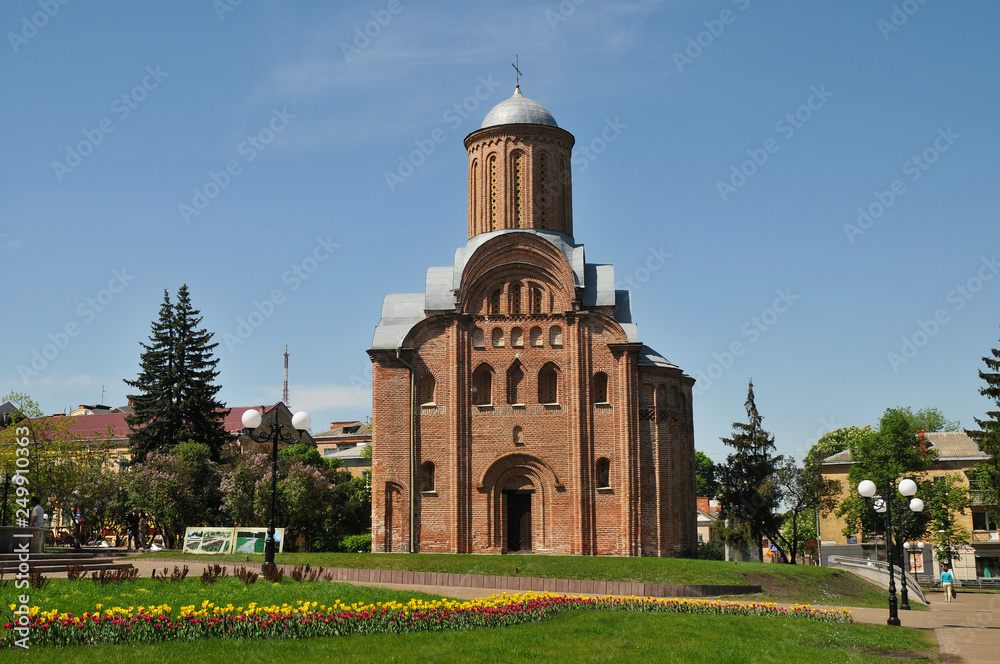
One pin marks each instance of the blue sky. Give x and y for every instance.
(243, 150)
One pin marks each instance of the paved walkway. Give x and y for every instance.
(968, 629)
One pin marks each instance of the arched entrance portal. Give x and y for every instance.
(518, 520)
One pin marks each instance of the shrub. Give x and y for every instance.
(75, 572)
(247, 576)
(356, 544)
(213, 573)
(120, 575)
(711, 551)
(273, 573)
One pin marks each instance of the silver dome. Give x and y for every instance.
(518, 110)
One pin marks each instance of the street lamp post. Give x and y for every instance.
(274, 433)
(883, 504)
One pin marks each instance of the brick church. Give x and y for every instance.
(514, 407)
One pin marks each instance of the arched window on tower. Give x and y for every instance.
(517, 161)
(515, 376)
(495, 302)
(548, 384)
(536, 300)
(427, 389)
(603, 473)
(493, 192)
(474, 196)
(482, 385)
(427, 476)
(514, 293)
(600, 394)
(540, 194)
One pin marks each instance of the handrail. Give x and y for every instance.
(881, 568)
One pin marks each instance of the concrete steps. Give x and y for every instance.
(57, 562)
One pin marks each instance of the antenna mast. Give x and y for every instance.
(284, 392)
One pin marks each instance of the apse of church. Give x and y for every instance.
(514, 407)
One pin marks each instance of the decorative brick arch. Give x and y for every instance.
(521, 472)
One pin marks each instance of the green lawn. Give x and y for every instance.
(781, 583)
(570, 637)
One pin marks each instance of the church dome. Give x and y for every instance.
(518, 110)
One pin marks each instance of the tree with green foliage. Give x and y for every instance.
(947, 499)
(177, 488)
(834, 442)
(986, 477)
(749, 495)
(885, 457)
(176, 391)
(704, 473)
(804, 491)
(928, 420)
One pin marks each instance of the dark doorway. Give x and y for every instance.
(519, 522)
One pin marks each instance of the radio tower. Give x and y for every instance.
(284, 392)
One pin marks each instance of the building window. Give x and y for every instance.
(517, 338)
(515, 375)
(518, 436)
(548, 384)
(536, 300)
(427, 476)
(478, 338)
(482, 386)
(541, 191)
(493, 193)
(981, 521)
(600, 387)
(555, 336)
(427, 389)
(474, 196)
(536, 337)
(514, 293)
(495, 303)
(497, 337)
(603, 473)
(518, 162)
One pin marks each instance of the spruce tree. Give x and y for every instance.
(177, 394)
(154, 421)
(748, 492)
(988, 436)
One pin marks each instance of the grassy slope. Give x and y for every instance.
(781, 583)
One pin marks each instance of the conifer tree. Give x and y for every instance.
(749, 495)
(988, 436)
(176, 399)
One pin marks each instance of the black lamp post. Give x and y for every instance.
(883, 504)
(273, 432)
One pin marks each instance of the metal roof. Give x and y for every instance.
(518, 110)
(950, 446)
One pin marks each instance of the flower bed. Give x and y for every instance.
(148, 624)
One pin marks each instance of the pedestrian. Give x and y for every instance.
(947, 579)
(133, 530)
(37, 520)
(143, 529)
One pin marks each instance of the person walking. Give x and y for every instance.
(143, 529)
(37, 521)
(133, 530)
(947, 579)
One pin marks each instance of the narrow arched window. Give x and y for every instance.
(517, 338)
(482, 386)
(548, 384)
(514, 294)
(427, 389)
(536, 300)
(478, 338)
(518, 436)
(474, 196)
(603, 473)
(495, 302)
(555, 336)
(497, 337)
(518, 167)
(540, 195)
(536, 337)
(515, 376)
(427, 476)
(600, 394)
(493, 192)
